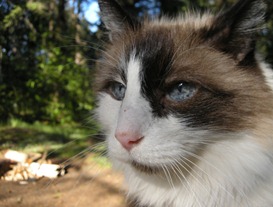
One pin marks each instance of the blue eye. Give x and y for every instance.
(117, 90)
(181, 92)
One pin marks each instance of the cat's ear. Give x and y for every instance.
(115, 19)
(235, 30)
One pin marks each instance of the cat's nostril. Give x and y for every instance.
(128, 139)
(135, 142)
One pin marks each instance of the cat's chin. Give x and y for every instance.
(146, 168)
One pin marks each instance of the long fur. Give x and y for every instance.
(214, 148)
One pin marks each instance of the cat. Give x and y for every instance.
(187, 107)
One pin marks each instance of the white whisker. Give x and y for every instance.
(188, 184)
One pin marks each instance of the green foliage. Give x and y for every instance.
(41, 76)
(63, 141)
(13, 17)
(36, 7)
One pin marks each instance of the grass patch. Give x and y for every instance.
(101, 161)
(62, 141)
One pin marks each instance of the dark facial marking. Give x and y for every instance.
(145, 168)
(155, 49)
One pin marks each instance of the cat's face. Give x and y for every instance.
(168, 89)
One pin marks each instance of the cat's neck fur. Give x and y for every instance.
(218, 179)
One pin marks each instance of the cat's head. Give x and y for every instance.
(170, 87)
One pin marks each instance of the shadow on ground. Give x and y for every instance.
(91, 186)
(15, 136)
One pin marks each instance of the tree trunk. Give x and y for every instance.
(51, 21)
(61, 14)
(79, 59)
(1, 57)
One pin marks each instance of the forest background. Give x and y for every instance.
(48, 50)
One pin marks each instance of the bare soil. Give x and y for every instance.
(89, 186)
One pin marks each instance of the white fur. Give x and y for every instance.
(231, 173)
(133, 107)
(196, 20)
(268, 73)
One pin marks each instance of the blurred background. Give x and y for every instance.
(48, 50)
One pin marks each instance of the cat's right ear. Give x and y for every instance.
(235, 30)
(115, 19)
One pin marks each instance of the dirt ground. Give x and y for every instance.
(90, 186)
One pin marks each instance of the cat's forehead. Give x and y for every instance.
(160, 44)
(172, 50)
(165, 50)
(204, 46)
(167, 35)
(168, 50)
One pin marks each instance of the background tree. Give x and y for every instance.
(44, 75)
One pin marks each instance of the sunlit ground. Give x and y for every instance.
(90, 180)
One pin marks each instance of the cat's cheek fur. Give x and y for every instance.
(166, 142)
(218, 171)
(169, 139)
(107, 111)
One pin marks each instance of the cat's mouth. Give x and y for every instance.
(146, 168)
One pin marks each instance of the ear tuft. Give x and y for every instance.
(235, 30)
(116, 20)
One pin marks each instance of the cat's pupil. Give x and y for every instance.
(180, 87)
(117, 91)
(181, 92)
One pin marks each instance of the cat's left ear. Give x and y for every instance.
(115, 19)
(235, 31)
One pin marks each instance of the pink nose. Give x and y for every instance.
(128, 139)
